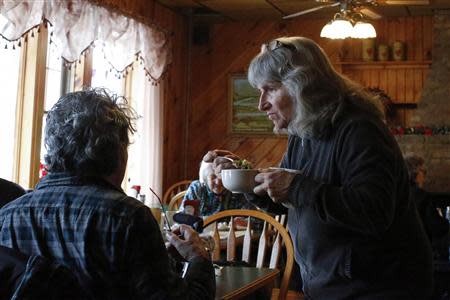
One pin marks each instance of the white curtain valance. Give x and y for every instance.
(78, 24)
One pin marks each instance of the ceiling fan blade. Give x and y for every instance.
(407, 2)
(303, 12)
(370, 13)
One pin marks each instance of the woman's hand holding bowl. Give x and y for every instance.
(275, 183)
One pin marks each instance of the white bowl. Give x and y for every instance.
(239, 180)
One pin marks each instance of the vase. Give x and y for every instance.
(368, 49)
(383, 52)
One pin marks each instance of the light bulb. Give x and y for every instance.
(341, 29)
(326, 30)
(363, 30)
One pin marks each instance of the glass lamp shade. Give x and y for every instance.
(363, 30)
(326, 31)
(341, 29)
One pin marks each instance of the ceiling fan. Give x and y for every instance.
(345, 6)
(359, 6)
(350, 21)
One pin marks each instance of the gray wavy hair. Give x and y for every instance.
(320, 94)
(87, 132)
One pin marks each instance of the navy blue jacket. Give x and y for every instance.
(110, 241)
(355, 228)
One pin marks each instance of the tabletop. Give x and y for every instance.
(236, 282)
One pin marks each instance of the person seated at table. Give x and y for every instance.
(211, 194)
(436, 226)
(79, 216)
(9, 191)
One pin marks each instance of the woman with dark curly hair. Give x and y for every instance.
(79, 216)
(87, 134)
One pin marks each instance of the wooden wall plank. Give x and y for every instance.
(409, 85)
(400, 81)
(392, 84)
(409, 39)
(418, 80)
(374, 79)
(417, 43)
(427, 44)
(230, 49)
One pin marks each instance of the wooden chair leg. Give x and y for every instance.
(291, 295)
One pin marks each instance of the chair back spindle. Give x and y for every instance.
(216, 237)
(276, 251)
(176, 201)
(247, 243)
(175, 189)
(262, 247)
(280, 237)
(231, 242)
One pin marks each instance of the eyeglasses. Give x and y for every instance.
(276, 44)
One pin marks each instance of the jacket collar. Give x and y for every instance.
(64, 179)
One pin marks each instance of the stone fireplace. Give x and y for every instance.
(434, 110)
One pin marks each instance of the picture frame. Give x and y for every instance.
(244, 118)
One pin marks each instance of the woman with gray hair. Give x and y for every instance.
(210, 192)
(355, 231)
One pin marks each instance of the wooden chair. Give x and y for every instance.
(175, 189)
(281, 238)
(176, 200)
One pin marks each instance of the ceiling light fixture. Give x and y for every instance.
(326, 30)
(348, 24)
(363, 30)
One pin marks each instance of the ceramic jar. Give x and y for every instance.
(368, 49)
(398, 51)
(383, 52)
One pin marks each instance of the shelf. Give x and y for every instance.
(404, 105)
(406, 64)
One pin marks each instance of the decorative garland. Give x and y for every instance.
(69, 64)
(389, 106)
(420, 130)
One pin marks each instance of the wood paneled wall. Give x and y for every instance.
(175, 88)
(195, 114)
(402, 81)
(233, 45)
(229, 51)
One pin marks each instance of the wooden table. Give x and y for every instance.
(237, 282)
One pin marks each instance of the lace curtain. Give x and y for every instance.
(75, 25)
(145, 154)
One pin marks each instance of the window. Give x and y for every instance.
(9, 77)
(54, 85)
(30, 89)
(145, 152)
(102, 76)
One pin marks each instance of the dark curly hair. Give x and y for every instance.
(86, 132)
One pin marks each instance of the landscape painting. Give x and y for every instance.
(244, 116)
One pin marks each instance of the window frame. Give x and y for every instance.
(31, 101)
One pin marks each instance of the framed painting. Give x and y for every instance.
(244, 118)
